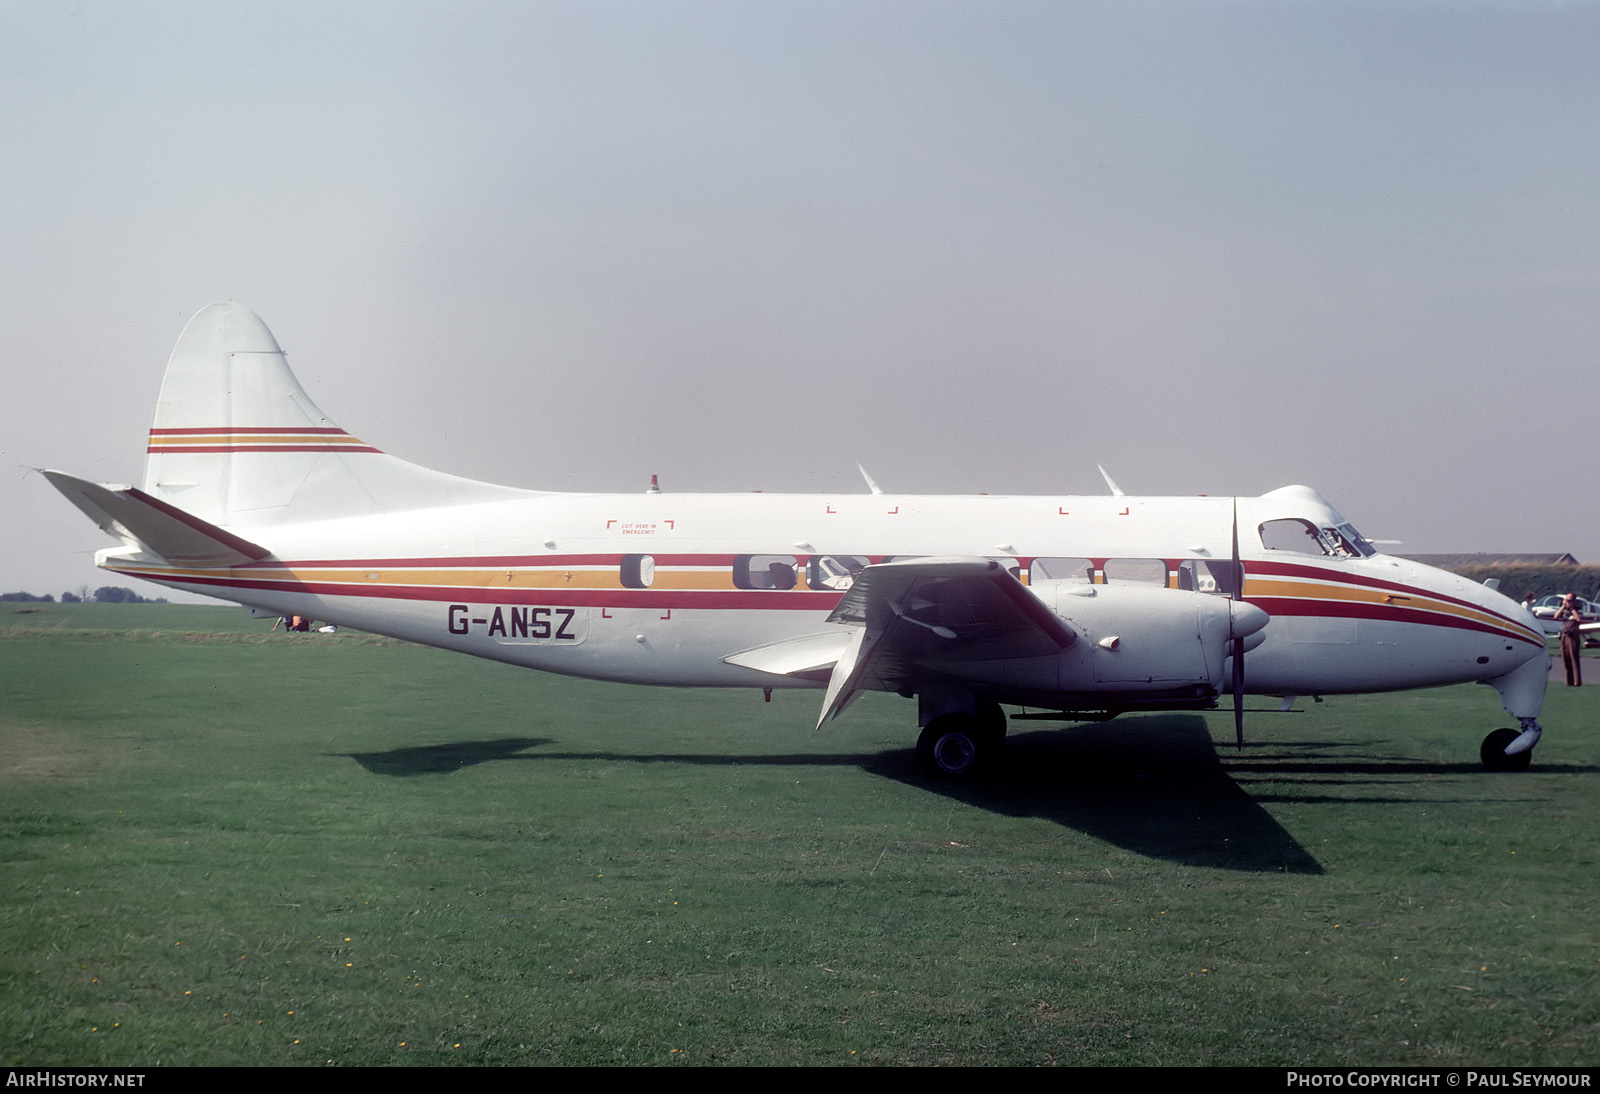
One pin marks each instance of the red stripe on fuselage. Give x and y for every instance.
(1340, 577)
(190, 431)
(719, 599)
(798, 599)
(184, 449)
(501, 562)
(1388, 613)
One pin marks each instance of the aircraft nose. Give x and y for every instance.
(1245, 619)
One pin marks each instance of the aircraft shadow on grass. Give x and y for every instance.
(1157, 788)
(441, 759)
(1304, 760)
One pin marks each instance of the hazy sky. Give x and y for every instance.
(1218, 247)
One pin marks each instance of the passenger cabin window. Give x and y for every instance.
(638, 571)
(764, 572)
(1207, 575)
(1142, 571)
(1061, 569)
(834, 571)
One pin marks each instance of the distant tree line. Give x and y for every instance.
(1519, 579)
(105, 594)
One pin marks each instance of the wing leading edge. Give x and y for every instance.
(907, 614)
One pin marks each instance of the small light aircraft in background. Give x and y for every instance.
(1588, 614)
(1078, 608)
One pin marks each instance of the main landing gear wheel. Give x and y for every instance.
(956, 745)
(1494, 755)
(992, 720)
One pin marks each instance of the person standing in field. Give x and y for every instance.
(1571, 639)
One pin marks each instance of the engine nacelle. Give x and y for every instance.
(1137, 646)
(1140, 637)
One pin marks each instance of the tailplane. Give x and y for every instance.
(153, 528)
(237, 442)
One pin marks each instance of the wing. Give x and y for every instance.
(908, 615)
(1552, 626)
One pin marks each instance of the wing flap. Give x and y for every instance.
(810, 656)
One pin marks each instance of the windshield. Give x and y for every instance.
(1304, 537)
(1351, 541)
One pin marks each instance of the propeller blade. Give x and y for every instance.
(1238, 643)
(1238, 692)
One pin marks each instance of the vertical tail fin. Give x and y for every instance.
(236, 440)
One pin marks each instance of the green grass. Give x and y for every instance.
(223, 846)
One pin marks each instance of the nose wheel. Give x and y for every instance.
(1494, 755)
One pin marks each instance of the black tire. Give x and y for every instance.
(992, 721)
(953, 746)
(1494, 755)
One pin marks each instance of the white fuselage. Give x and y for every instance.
(660, 588)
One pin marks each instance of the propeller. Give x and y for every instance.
(1238, 641)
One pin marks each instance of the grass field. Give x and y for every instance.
(223, 846)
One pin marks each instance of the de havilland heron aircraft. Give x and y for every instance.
(1072, 607)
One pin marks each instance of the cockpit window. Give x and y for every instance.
(1303, 537)
(1353, 541)
(1299, 536)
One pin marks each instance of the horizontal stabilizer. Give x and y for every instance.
(155, 527)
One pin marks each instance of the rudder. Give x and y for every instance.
(237, 441)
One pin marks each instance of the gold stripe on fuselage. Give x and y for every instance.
(1256, 587)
